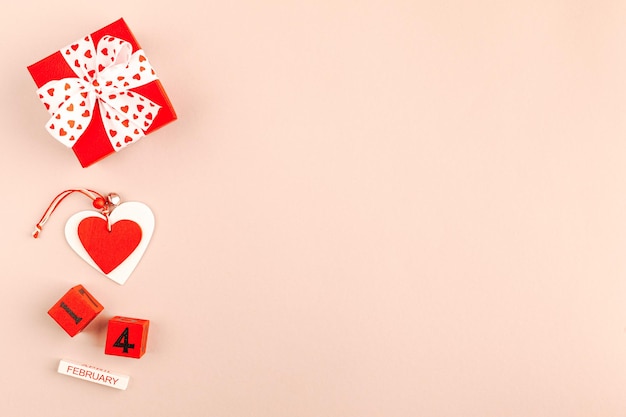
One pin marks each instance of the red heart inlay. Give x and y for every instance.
(128, 139)
(140, 107)
(142, 58)
(124, 109)
(75, 46)
(100, 67)
(105, 51)
(86, 113)
(71, 123)
(88, 53)
(125, 123)
(149, 116)
(113, 133)
(51, 91)
(108, 249)
(62, 132)
(137, 77)
(67, 86)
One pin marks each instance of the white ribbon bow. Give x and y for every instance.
(105, 75)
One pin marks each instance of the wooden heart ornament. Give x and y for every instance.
(113, 247)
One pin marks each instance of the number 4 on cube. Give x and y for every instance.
(127, 337)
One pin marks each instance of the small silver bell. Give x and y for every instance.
(114, 199)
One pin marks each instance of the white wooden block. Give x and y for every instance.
(93, 374)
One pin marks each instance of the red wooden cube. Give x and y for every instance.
(127, 337)
(75, 310)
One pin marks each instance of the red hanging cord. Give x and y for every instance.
(99, 202)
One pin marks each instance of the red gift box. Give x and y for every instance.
(102, 93)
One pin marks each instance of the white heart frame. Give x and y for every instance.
(132, 210)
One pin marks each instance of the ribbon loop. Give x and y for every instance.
(112, 52)
(105, 74)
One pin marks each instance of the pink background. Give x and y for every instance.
(375, 208)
